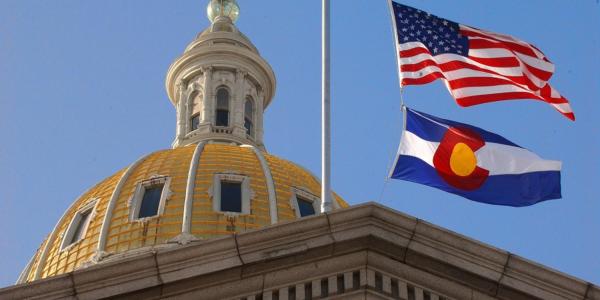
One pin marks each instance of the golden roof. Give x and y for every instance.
(124, 235)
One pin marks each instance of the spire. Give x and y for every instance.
(222, 8)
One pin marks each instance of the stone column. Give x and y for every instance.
(180, 97)
(238, 104)
(258, 131)
(187, 109)
(208, 97)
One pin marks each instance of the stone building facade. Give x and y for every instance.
(362, 252)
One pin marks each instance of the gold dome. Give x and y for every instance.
(217, 181)
(125, 235)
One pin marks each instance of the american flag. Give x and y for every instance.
(477, 66)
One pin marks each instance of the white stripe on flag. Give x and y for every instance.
(449, 57)
(498, 159)
(422, 72)
(562, 107)
(490, 53)
(484, 90)
(502, 159)
(413, 145)
(536, 63)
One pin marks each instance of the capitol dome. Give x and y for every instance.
(217, 180)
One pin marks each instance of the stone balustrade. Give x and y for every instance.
(226, 130)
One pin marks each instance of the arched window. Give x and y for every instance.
(222, 107)
(249, 116)
(195, 110)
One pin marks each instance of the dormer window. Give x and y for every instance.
(249, 116)
(304, 203)
(231, 194)
(150, 201)
(149, 198)
(78, 226)
(305, 207)
(222, 116)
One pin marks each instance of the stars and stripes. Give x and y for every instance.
(477, 66)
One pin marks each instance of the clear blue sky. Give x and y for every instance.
(82, 95)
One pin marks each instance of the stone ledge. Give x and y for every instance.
(411, 243)
(117, 277)
(57, 287)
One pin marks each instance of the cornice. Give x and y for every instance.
(391, 241)
(221, 54)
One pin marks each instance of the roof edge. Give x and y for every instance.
(407, 240)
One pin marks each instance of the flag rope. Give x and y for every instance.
(392, 157)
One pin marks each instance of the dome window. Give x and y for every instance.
(222, 116)
(249, 116)
(149, 198)
(304, 203)
(231, 194)
(305, 207)
(78, 226)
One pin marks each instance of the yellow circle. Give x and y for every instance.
(462, 160)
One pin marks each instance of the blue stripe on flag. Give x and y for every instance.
(425, 126)
(511, 190)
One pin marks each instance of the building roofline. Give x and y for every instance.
(369, 226)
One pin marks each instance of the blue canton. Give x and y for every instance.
(437, 34)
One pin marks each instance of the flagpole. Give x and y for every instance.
(326, 201)
(402, 106)
(396, 46)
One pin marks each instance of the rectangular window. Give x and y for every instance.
(306, 207)
(150, 201)
(195, 122)
(411, 292)
(222, 117)
(231, 196)
(249, 127)
(80, 224)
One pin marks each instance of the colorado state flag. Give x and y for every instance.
(473, 163)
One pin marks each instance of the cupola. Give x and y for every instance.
(221, 85)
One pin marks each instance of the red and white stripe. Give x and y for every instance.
(498, 67)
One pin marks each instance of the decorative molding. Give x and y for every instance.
(189, 189)
(242, 75)
(98, 256)
(113, 202)
(270, 183)
(362, 244)
(214, 191)
(25, 272)
(135, 202)
(44, 254)
(184, 238)
(91, 204)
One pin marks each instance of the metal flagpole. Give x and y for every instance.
(326, 201)
(396, 46)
